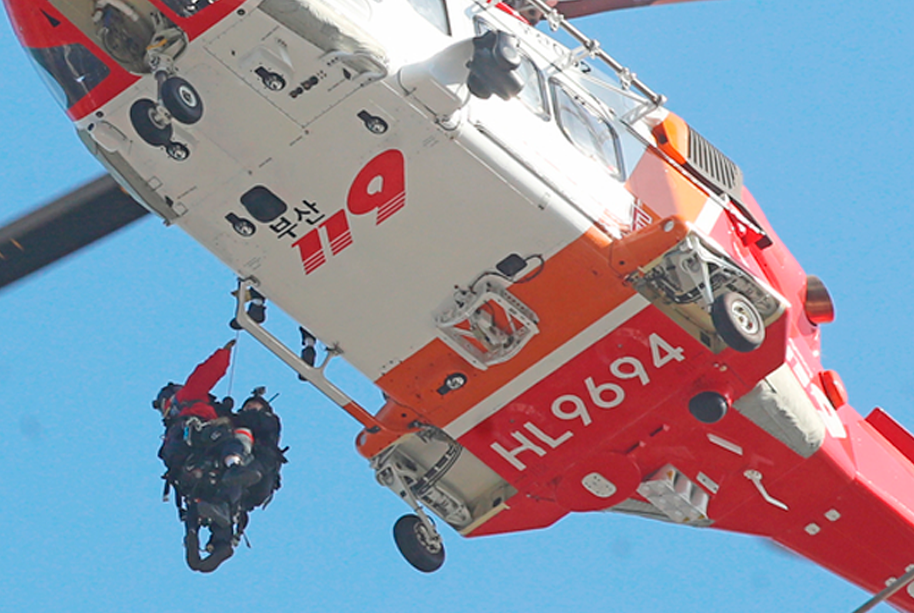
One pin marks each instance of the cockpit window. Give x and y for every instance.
(607, 88)
(71, 71)
(532, 95)
(435, 12)
(188, 8)
(588, 130)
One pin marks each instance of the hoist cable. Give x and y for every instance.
(233, 359)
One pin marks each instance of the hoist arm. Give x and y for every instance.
(313, 374)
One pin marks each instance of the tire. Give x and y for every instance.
(182, 100)
(738, 322)
(142, 115)
(412, 540)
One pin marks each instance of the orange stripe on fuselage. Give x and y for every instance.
(664, 190)
(576, 288)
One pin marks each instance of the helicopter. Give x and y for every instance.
(664, 352)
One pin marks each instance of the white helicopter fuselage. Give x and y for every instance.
(567, 296)
(501, 178)
(452, 248)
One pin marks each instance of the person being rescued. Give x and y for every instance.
(221, 464)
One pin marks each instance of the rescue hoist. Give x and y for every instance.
(414, 476)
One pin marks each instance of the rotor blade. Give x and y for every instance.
(68, 224)
(582, 8)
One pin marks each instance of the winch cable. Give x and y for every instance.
(234, 359)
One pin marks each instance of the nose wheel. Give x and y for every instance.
(154, 121)
(419, 542)
(181, 100)
(152, 126)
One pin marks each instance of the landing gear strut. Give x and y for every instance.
(177, 100)
(416, 536)
(710, 295)
(153, 123)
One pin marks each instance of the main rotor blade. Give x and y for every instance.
(68, 224)
(582, 8)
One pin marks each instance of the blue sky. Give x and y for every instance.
(812, 99)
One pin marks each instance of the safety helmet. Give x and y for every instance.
(256, 402)
(165, 402)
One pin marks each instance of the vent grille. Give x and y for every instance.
(714, 168)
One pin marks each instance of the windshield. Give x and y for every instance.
(606, 88)
(70, 71)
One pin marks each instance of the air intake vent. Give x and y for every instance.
(715, 170)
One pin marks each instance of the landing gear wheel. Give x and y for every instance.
(182, 100)
(177, 151)
(738, 322)
(423, 550)
(144, 117)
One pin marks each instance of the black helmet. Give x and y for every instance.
(165, 400)
(256, 402)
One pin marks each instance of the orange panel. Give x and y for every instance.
(642, 247)
(664, 189)
(575, 289)
(672, 136)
